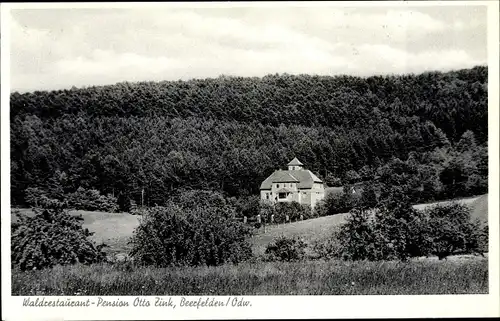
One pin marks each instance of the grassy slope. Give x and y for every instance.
(112, 229)
(480, 208)
(309, 230)
(319, 228)
(115, 229)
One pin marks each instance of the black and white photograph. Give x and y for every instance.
(211, 157)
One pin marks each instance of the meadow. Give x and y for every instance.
(455, 275)
(115, 229)
(425, 276)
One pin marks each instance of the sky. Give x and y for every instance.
(62, 48)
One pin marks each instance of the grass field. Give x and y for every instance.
(480, 208)
(456, 275)
(310, 230)
(303, 278)
(115, 229)
(320, 228)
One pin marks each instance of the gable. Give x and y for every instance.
(295, 162)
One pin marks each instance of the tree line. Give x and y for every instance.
(144, 141)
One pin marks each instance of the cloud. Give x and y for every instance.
(64, 48)
(108, 62)
(384, 57)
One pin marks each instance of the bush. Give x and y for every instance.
(285, 249)
(191, 233)
(248, 206)
(452, 231)
(267, 210)
(293, 210)
(400, 230)
(368, 197)
(336, 203)
(81, 199)
(32, 195)
(356, 237)
(395, 230)
(91, 200)
(51, 237)
(482, 236)
(327, 249)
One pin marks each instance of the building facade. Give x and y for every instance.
(295, 184)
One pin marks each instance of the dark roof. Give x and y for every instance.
(305, 178)
(295, 162)
(284, 177)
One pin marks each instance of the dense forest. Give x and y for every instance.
(428, 130)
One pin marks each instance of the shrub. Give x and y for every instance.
(51, 237)
(482, 236)
(335, 203)
(91, 200)
(352, 177)
(285, 249)
(452, 231)
(248, 206)
(395, 230)
(191, 233)
(293, 210)
(81, 199)
(32, 195)
(331, 180)
(327, 249)
(356, 237)
(400, 230)
(368, 197)
(267, 211)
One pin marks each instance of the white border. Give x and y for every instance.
(226, 4)
(274, 307)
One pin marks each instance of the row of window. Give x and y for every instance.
(283, 195)
(280, 195)
(284, 185)
(291, 185)
(268, 195)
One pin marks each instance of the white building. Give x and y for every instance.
(295, 184)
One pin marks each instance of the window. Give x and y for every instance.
(277, 185)
(267, 195)
(282, 195)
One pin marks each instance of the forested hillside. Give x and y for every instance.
(229, 133)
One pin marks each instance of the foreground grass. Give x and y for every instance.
(303, 278)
